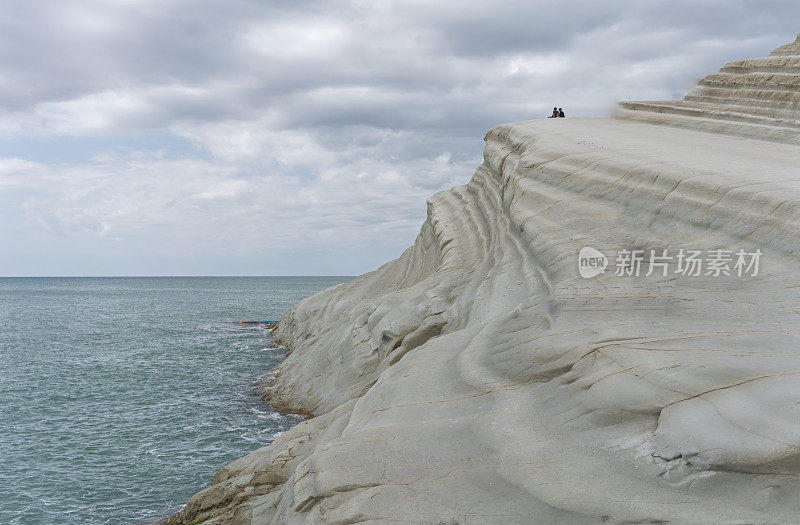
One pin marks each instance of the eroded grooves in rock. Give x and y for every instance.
(479, 379)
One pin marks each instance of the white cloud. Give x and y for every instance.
(317, 128)
(286, 41)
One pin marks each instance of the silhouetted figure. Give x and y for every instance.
(561, 113)
(555, 113)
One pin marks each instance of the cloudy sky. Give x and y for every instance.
(235, 137)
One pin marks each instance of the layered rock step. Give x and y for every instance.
(755, 98)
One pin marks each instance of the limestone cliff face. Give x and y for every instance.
(480, 379)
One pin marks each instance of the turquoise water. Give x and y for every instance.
(121, 397)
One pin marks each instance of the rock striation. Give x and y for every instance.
(757, 97)
(479, 378)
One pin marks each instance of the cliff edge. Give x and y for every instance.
(479, 378)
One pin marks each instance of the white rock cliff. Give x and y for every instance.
(480, 379)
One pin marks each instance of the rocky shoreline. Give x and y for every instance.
(480, 378)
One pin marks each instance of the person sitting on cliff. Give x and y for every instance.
(560, 113)
(555, 113)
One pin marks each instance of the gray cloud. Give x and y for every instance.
(318, 128)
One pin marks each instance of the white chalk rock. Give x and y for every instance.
(479, 378)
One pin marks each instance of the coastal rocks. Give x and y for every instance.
(479, 378)
(269, 325)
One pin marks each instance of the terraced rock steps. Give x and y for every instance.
(755, 98)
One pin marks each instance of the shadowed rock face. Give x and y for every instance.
(478, 378)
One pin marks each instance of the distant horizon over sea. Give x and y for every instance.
(121, 396)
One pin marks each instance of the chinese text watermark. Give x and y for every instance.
(662, 262)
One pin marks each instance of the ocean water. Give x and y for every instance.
(121, 397)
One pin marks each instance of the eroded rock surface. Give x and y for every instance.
(479, 379)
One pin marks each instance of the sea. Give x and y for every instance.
(121, 397)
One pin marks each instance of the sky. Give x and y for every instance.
(235, 137)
